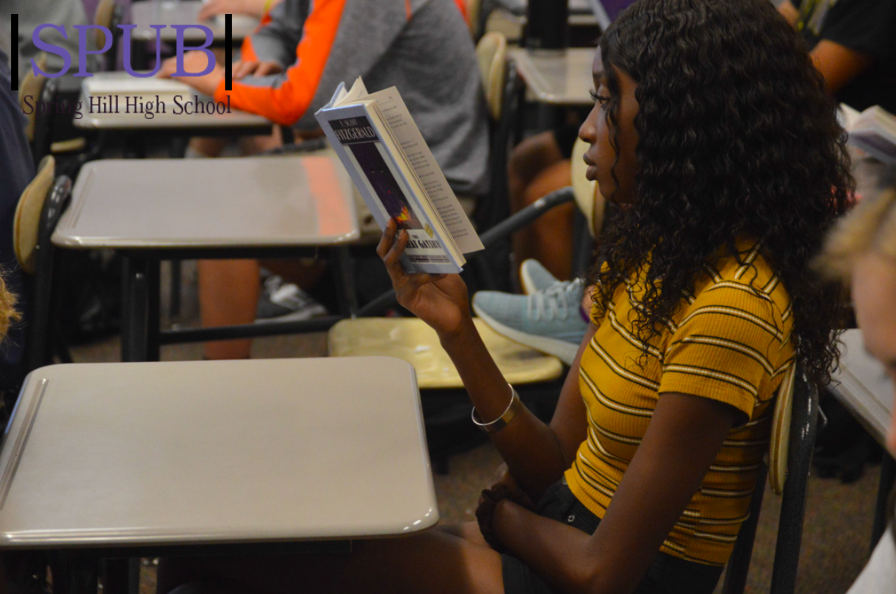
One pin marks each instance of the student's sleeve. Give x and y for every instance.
(731, 346)
(276, 39)
(866, 26)
(335, 47)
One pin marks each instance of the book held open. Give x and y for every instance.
(391, 165)
(872, 130)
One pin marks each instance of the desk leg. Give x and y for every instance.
(116, 578)
(887, 475)
(138, 55)
(135, 302)
(153, 309)
(345, 281)
(77, 574)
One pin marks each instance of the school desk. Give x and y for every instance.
(116, 102)
(150, 210)
(213, 457)
(560, 78)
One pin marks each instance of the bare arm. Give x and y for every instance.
(681, 442)
(789, 12)
(536, 454)
(837, 63)
(256, 8)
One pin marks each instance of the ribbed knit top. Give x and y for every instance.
(730, 342)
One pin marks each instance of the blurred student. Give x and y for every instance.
(62, 13)
(16, 172)
(861, 251)
(292, 66)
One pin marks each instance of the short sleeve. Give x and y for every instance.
(730, 346)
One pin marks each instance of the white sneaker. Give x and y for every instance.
(286, 302)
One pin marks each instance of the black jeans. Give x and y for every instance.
(666, 575)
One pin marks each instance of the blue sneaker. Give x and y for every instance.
(548, 320)
(535, 277)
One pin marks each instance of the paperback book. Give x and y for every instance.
(872, 130)
(397, 176)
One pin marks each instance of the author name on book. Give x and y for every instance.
(123, 104)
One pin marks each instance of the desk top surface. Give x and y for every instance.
(169, 12)
(285, 201)
(206, 452)
(863, 386)
(558, 77)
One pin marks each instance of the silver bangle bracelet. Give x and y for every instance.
(506, 416)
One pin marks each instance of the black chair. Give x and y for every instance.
(38, 211)
(790, 456)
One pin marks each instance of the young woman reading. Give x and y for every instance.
(711, 124)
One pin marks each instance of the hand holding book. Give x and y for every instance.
(440, 300)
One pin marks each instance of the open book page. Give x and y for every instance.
(428, 171)
(873, 131)
(847, 116)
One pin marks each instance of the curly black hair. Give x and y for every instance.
(736, 139)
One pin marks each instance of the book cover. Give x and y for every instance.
(386, 190)
(387, 181)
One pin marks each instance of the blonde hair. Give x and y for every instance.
(869, 227)
(8, 313)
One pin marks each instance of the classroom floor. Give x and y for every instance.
(838, 517)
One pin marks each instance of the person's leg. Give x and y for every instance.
(538, 166)
(434, 562)
(229, 289)
(548, 238)
(228, 294)
(253, 145)
(526, 161)
(205, 147)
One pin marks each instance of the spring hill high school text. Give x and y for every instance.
(115, 104)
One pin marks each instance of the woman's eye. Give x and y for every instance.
(602, 99)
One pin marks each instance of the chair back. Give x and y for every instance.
(32, 86)
(26, 224)
(790, 454)
(491, 52)
(39, 128)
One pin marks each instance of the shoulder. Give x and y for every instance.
(741, 284)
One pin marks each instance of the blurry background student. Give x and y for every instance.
(32, 14)
(861, 250)
(16, 171)
(290, 68)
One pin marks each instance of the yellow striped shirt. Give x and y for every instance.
(730, 341)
